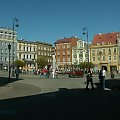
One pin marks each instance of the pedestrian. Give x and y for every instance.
(56, 73)
(103, 78)
(89, 79)
(17, 73)
(100, 76)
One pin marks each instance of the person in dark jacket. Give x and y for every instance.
(17, 73)
(89, 79)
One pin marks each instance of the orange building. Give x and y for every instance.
(63, 51)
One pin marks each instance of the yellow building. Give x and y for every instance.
(104, 51)
(30, 51)
(27, 51)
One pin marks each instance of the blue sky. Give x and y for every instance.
(50, 20)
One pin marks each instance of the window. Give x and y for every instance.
(19, 47)
(109, 58)
(27, 48)
(5, 58)
(34, 49)
(1, 58)
(30, 48)
(19, 56)
(115, 58)
(68, 45)
(68, 52)
(109, 50)
(93, 58)
(75, 55)
(24, 48)
(64, 59)
(44, 48)
(6, 50)
(1, 51)
(34, 56)
(63, 45)
(81, 52)
(80, 45)
(93, 52)
(9, 37)
(68, 59)
(63, 52)
(104, 58)
(115, 50)
(98, 58)
(30, 56)
(98, 50)
(103, 50)
(27, 56)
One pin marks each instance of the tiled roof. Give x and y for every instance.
(109, 38)
(66, 40)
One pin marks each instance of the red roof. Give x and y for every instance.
(109, 38)
(66, 40)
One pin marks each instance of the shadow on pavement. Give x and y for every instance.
(4, 80)
(112, 84)
(64, 104)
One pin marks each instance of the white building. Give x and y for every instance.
(80, 52)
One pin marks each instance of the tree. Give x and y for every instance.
(19, 63)
(42, 61)
(84, 65)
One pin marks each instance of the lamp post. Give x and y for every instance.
(9, 48)
(85, 32)
(15, 24)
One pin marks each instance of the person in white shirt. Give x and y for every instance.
(103, 78)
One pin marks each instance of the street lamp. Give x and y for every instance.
(9, 48)
(15, 24)
(85, 32)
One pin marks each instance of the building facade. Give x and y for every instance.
(27, 52)
(45, 50)
(80, 52)
(30, 52)
(63, 51)
(104, 51)
(6, 38)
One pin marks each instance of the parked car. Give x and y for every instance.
(75, 73)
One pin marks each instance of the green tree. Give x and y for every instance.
(42, 61)
(19, 63)
(84, 65)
